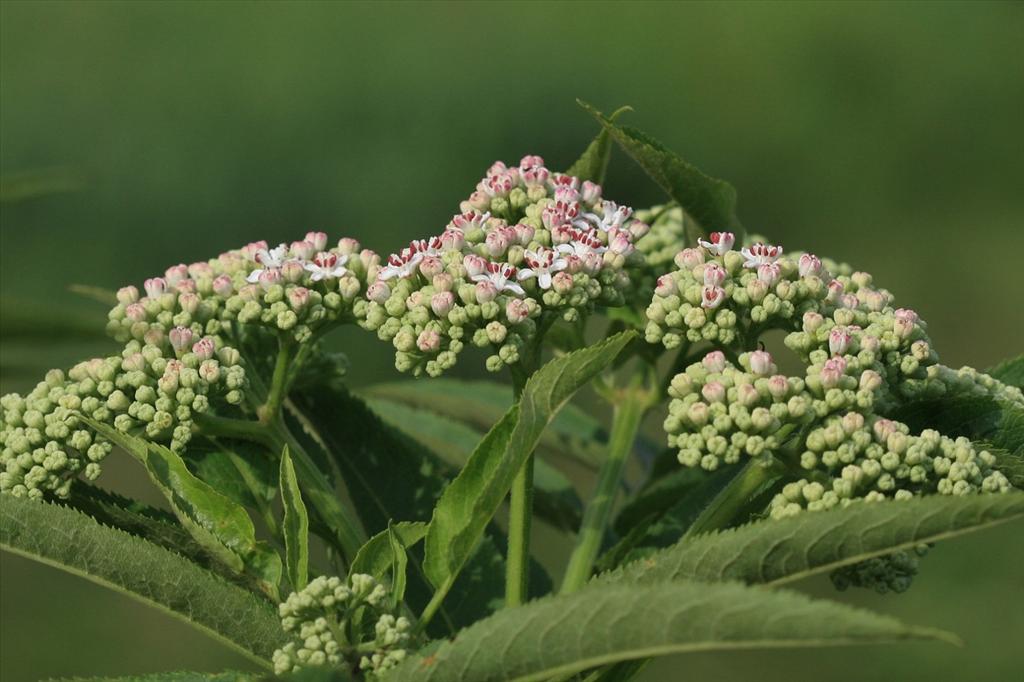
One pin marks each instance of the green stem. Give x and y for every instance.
(626, 420)
(727, 505)
(240, 429)
(517, 574)
(278, 383)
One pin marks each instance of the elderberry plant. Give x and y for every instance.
(339, 534)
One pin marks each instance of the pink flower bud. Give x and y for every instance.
(590, 192)
(378, 292)
(562, 282)
(475, 265)
(621, 243)
(769, 273)
(347, 246)
(902, 327)
(852, 421)
(186, 286)
(155, 286)
(848, 301)
(429, 341)
(592, 263)
(303, 250)
(778, 386)
(720, 242)
(530, 161)
(128, 294)
(688, 259)
(883, 428)
(714, 361)
(293, 271)
(839, 340)
(761, 363)
(812, 321)
(524, 233)
(712, 297)
(414, 300)
(369, 258)
(222, 286)
(269, 278)
(298, 298)
(516, 310)
(188, 302)
(713, 392)
(176, 273)
(809, 265)
(714, 275)
(747, 395)
(431, 266)
(875, 301)
(200, 269)
(442, 303)
(181, 338)
(204, 348)
(871, 343)
(835, 290)
(453, 240)
(251, 249)
(496, 243)
(154, 336)
(317, 239)
(485, 291)
(666, 286)
(638, 229)
(251, 292)
(832, 371)
(870, 380)
(906, 314)
(479, 201)
(135, 312)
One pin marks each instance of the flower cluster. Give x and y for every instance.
(150, 390)
(340, 622)
(297, 288)
(529, 247)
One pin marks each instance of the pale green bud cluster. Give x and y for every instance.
(852, 458)
(530, 247)
(296, 289)
(146, 391)
(336, 622)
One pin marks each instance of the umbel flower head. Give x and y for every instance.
(530, 246)
(298, 288)
(864, 359)
(335, 622)
(153, 390)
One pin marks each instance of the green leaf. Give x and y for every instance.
(709, 201)
(222, 527)
(472, 499)
(480, 404)
(593, 164)
(69, 540)
(295, 525)
(775, 552)
(555, 498)
(385, 553)
(186, 676)
(242, 471)
(1010, 372)
(566, 634)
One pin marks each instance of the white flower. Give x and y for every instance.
(581, 244)
(712, 297)
(542, 263)
(720, 242)
(270, 259)
(502, 276)
(614, 217)
(326, 265)
(404, 264)
(760, 254)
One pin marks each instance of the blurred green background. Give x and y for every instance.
(137, 135)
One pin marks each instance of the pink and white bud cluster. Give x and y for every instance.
(295, 288)
(528, 244)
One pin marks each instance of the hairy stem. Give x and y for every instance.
(628, 414)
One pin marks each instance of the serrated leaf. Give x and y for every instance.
(593, 164)
(1010, 371)
(295, 525)
(775, 552)
(69, 540)
(472, 499)
(555, 498)
(709, 201)
(242, 471)
(222, 527)
(570, 633)
(480, 404)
